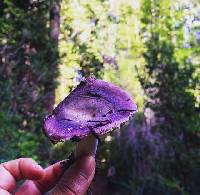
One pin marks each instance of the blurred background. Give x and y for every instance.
(150, 48)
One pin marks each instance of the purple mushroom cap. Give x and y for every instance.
(94, 106)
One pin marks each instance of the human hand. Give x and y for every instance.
(52, 180)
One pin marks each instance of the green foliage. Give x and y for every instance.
(154, 185)
(169, 79)
(28, 61)
(167, 82)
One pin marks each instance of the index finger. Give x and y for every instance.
(77, 178)
(15, 170)
(51, 177)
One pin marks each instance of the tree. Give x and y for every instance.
(166, 83)
(28, 59)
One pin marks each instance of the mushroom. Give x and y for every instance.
(93, 108)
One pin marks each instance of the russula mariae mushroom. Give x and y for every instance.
(93, 108)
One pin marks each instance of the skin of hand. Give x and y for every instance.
(52, 180)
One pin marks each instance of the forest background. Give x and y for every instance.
(150, 48)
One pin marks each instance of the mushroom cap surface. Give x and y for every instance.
(93, 106)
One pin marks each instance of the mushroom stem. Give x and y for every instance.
(87, 146)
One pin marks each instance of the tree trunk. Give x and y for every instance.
(55, 21)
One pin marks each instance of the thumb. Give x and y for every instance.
(77, 179)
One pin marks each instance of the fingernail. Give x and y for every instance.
(65, 164)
